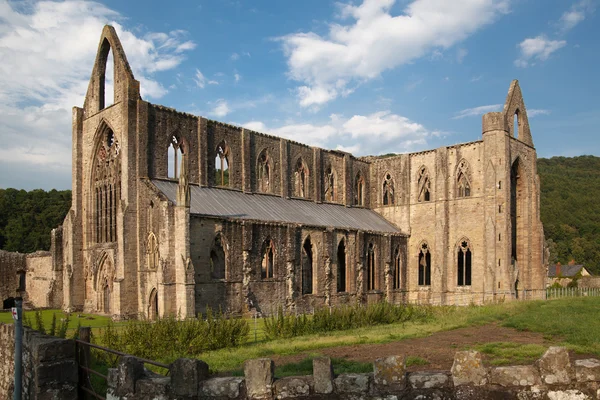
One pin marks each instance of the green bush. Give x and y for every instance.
(282, 325)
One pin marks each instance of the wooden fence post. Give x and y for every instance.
(83, 359)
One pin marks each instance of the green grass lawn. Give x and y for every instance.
(571, 322)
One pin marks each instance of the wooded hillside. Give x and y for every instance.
(570, 208)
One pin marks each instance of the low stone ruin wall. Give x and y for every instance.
(49, 366)
(552, 377)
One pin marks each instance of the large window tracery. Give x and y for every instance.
(106, 186)
(463, 181)
(463, 263)
(263, 172)
(222, 162)
(424, 184)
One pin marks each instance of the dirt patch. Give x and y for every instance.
(438, 349)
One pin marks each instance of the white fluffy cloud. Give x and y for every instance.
(538, 48)
(220, 109)
(374, 40)
(47, 51)
(577, 13)
(377, 133)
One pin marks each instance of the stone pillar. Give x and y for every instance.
(203, 151)
(317, 174)
(246, 162)
(285, 168)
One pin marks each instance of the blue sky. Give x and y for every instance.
(365, 76)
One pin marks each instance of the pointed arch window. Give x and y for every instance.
(341, 267)
(217, 258)
(330, 182)
(176, 150)
(301, 179)
(268, 260)
(106, 298)
(424, 184)
(359, 190)
(397, 272)
(463, 182)
(388, 190)
(222, 162)
(106, 187)
(263, 172)
(153, 305)
(152, 255)
(463, 264)
(106, 76)
(371, 277)
(307, 267)
(424, 265)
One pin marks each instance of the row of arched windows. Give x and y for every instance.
(463, 264)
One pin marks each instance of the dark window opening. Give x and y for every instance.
(307, 267)
(388, 190)
(268, 259)
(341, 267)
(371, 278)
(217, 259)
(424, 265)
(464, 264)
(397, 269)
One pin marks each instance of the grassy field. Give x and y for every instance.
(571, 322)
(91, 320)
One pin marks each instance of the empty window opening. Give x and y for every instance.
(499, 184)
(424, 265)
(263, 172)
(499, 237)
(359, 190)
(152, 255)
(464, 264)
(371, 278)
(106, 188)
(463, 183)
(307, 267)
(106, 299)
(397, 269)
(341, 267)
(498, 262)
(388, 190)
(217, 258)
(301, 179)
(153, 305)
(500, 209)
(222, 177)
(424, 185)
(516, 126)
(268, 260)
(176, 150)
(330, 190)
(106, 93)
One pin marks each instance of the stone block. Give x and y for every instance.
(587, 370)
(186, 375)
(428, 380)
(228, 388)
(50, 349)
(555, 366)
(520, 375)
(352, 383)
(155, 388)
(129, 370)
(468, 369)
(567, 395)
(389, 371)
(494, 121)
(323, 375)
(259, 378)
(64, 392)
(293, 386)
(62, 372)
(112, 378)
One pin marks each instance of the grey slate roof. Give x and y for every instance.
(237, 205)
(566, 271)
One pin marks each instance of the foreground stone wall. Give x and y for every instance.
(10, 264)
(552, 377)
(49, 366)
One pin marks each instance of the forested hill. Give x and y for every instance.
(570, 207)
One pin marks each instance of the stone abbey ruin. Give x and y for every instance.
(172, 213)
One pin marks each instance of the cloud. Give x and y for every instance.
(237, 77)
(47, 51)
(535, 112)
(376, 133)
(234, 56)
(221, 108)
(374, 40)
(577, 13)
(461, 54)
(475, 111)
(537, 48)
(201, 80)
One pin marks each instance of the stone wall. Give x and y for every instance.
(589, 282)
(553, 376)
(10, 264)
(49, 366)
(40, 279)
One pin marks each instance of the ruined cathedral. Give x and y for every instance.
(172, 213)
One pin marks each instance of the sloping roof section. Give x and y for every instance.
(565, 271)
(237, 205)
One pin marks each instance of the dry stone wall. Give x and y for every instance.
(552, 377)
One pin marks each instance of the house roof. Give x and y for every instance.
(566, 271)
(233, 204)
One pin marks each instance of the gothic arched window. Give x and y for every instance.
(330, 181)
(424, 265)
(307, 267)
(301, 179)
(106, 188)
(176, 150)
(222, 161)
(397, 272)
(463, 184)
(152, 254)
(263, 172)
(217, 258)
(359, 190)
(268, 260)
(464, 263)
(371, 278)
(388, 190)
(424, 184)
(341, 267)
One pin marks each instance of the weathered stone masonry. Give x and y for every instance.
(173, 212)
